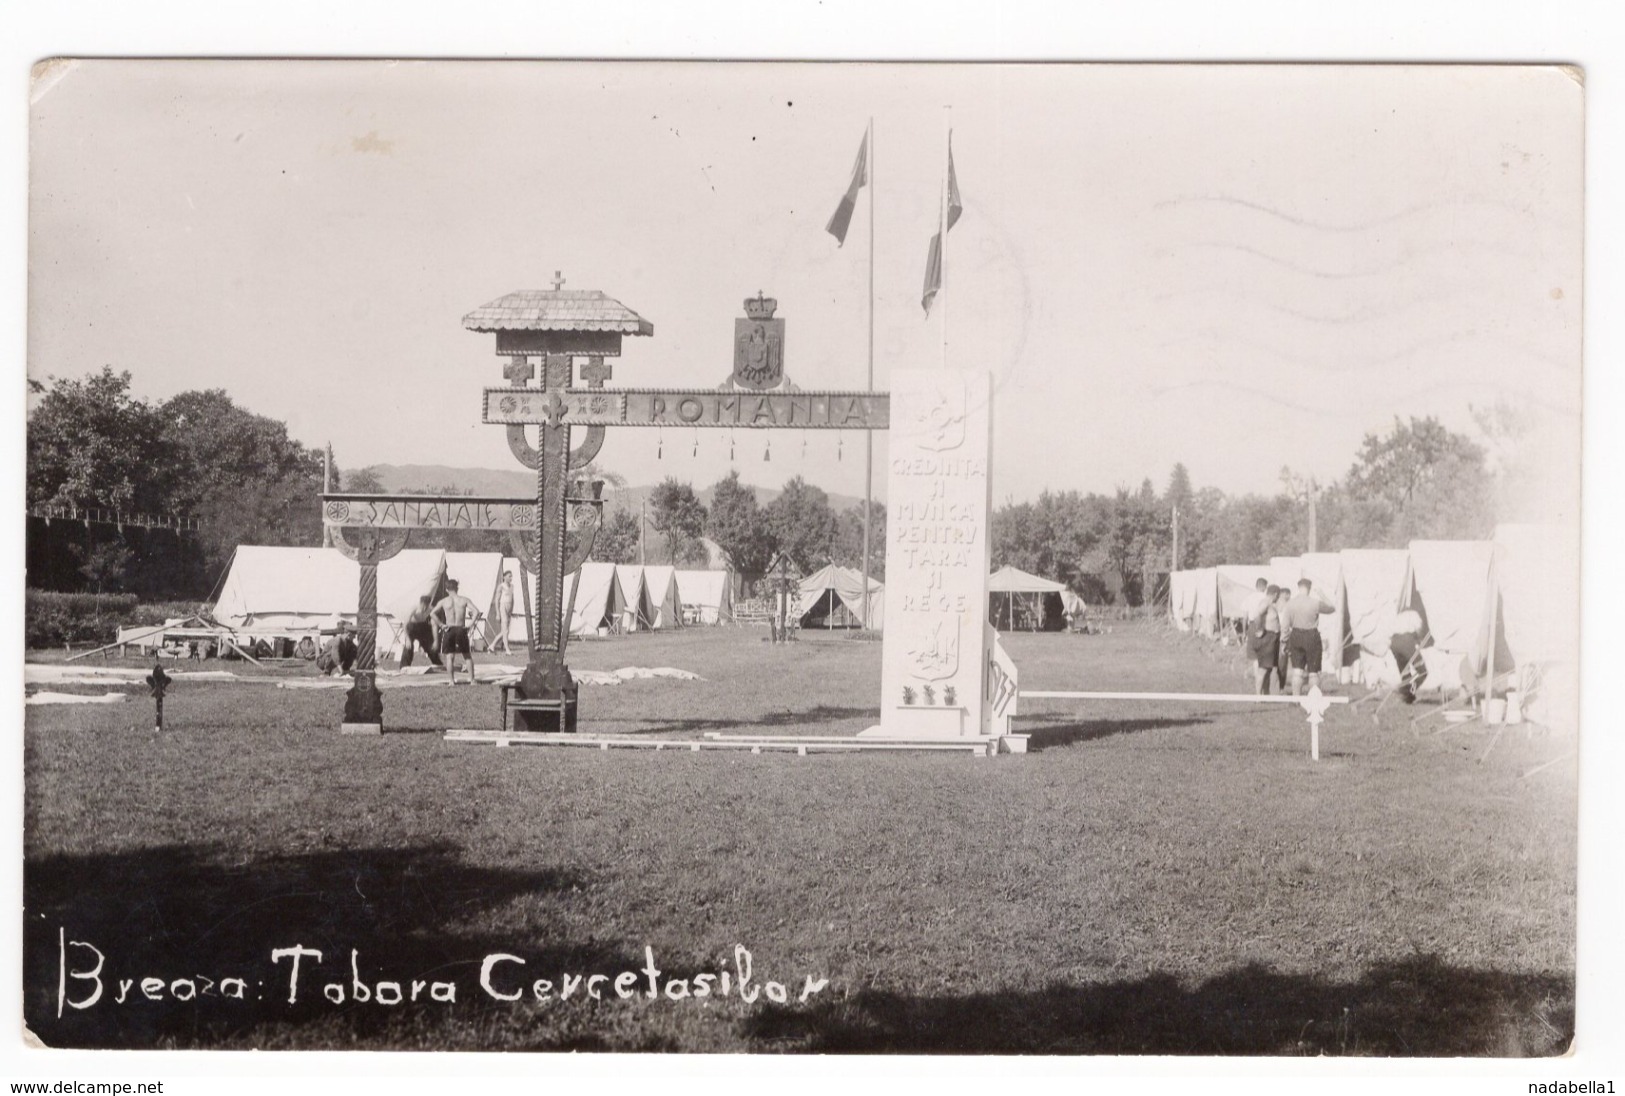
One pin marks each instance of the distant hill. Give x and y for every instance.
(513, 483)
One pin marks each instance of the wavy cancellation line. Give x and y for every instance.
(1408, 256)
(1360, 315)
(1216, 336)
(1359, 226)
(1382, 400)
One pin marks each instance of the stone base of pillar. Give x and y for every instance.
(361, 728)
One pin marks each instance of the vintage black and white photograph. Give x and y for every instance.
(811, 558)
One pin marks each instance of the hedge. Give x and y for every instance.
(52, 619)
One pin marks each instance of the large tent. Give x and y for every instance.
(1017, 599)
(1537, 577)
(1448, 582)
(598, 599)
(832, 597)
(705, 597)
(638, 612)
(661, 582)
(1193, 600)
(1373, 581)
(277, 590)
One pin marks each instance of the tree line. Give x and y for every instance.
(91, 443)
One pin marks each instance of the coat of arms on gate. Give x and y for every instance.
(759, 346)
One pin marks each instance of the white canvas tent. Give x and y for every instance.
(637, 610)
(661, 582)
(832, 597)
(1193, 599)
(1285, 571)
(1009, 585)
(1537, 576)
(705, 597)
(598, 599)
(280, 590)
(1448, 582)
(1373, 580)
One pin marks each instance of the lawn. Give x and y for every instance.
(1152, 878)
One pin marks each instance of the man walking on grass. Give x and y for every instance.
(1303, 641)
(1263, 635)
(456, 614)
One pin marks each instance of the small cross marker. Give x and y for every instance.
(558, 280)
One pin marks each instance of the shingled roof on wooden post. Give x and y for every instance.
(558, 321)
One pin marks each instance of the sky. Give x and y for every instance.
(1235, 267)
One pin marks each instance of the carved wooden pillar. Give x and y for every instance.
(363, 706)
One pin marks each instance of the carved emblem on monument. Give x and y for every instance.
(933, 646)
(940, 422)
(759, 346)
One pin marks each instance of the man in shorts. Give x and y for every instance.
(1303, 639)
(1263, 635)
(1283, 595)
(456, 615)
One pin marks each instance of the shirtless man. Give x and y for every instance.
(1303, 641)
(504, 611)
(456, 614)
(1263, 635)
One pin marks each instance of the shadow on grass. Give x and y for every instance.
(1045, 737)
(811, 717)
(181, 912)
(1420, 1007)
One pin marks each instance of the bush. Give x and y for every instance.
(51, 619)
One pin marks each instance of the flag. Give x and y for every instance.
(842, 218)
(933, 258)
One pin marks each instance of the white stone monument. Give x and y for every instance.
(934, 676)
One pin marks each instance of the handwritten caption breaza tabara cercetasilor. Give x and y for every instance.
(302, 973)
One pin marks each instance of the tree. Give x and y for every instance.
(617, 540)
(803, 524)
(244, 478)
(1427, 481)
(103, 566)
(363, 481)
(1179, 494)
(676, 512)
(739, 526)
(849, 539)
(92, 444)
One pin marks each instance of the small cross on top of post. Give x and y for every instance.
(558, 280)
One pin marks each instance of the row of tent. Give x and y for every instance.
(1520, 587)
(292, 592)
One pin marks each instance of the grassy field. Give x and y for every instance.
(1169, 879)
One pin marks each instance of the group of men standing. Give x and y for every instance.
(1283, 634)
(441, 629)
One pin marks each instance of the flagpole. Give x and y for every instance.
(869, 435)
